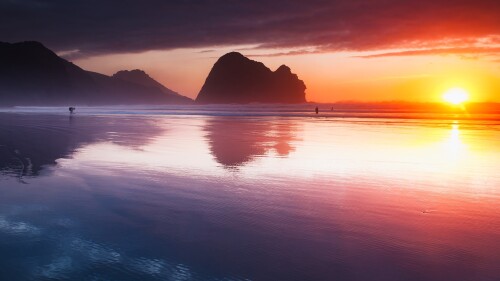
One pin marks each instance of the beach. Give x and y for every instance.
(256, 193)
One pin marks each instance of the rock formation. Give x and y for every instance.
(237, 79)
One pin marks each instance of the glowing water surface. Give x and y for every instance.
(197, 196)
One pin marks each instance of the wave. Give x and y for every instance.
(265, 110)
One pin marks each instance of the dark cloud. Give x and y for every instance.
(99, 27)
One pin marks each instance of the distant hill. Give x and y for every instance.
(138, 76)
(31, 74)
(237, 79)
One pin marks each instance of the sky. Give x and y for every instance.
(344, 50)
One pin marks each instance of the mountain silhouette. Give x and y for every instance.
(237, 79)
(140, 77)
(31, 74)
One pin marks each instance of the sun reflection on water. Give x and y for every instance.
(454, 144)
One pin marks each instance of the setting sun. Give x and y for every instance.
(456, 95)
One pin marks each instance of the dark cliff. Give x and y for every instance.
(31, 74)
(237, 79)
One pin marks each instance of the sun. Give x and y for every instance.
(456, 96)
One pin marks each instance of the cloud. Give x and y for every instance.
(287, 53)
(439, 51)
(206, 51)
(101, 27)
(68, 54)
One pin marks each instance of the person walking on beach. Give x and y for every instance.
(71, 110)
(317, 110)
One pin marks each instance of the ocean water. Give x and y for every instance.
(248, 193)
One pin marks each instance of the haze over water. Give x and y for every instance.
(235, 193)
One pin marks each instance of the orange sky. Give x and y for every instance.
(356, 50)
(329, 77)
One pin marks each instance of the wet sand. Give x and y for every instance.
(196, 196)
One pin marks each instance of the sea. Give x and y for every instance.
(257, 192)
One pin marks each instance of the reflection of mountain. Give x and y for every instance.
(234, 141)
(29, 142)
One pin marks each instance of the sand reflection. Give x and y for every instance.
(30, 142)
(454, 143)
(235, 142)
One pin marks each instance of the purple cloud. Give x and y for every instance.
(101, 27)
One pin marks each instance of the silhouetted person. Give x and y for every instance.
(317, 110)
(71, 110)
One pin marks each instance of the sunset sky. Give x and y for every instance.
(344, 50)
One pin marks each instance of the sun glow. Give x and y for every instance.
(456, 96)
